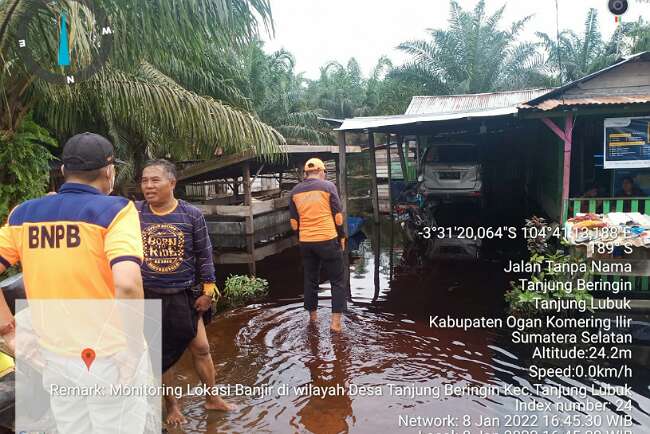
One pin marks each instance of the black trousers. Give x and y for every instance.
(326, 254)
(180, 322)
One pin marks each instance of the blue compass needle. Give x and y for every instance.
(64, 51)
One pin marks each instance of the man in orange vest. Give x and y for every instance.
(80, 244)
(316, 214)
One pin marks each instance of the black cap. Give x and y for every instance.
(87, 151)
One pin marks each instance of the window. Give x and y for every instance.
(452, 154)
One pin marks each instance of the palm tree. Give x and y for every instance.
(169, 87)
(279, 96)
(637, 36)
(388, 93)
(576, 55)
(472, 55)
(340, 90)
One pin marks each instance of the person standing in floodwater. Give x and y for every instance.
(178, 270)
(315, 210)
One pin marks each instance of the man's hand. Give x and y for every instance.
(203, 303)
(10, 342)
(342, 241)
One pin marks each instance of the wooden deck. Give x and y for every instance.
(243, 228)
(259, 253)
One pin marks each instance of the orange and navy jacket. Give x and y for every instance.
(67, 244)
(315, 210)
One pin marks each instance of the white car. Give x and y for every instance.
(451, 172)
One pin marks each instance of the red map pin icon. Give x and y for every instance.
(88, 356)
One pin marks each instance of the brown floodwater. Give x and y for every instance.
(386, 341)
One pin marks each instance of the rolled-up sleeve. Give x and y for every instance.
(123, 241)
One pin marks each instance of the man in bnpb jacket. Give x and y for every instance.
(315, 210)
(80, 245)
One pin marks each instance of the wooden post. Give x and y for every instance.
(374, 193)
(343, 193)
(377, 252)
(418, 150)
(582, 164)
(235, 188)
(390, 176)
(250, 229)
(338, 171)
(566, 136)
(402, 158)
(391, 251)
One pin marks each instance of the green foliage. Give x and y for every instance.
(24, 158)
(195, 77)
(279, 96)
(474, 54)
(240, 290)
(172, 88)
(543, 251)
(637, 36)
(340, 90)
(584, 53)
(579, 54)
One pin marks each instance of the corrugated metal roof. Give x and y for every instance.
(448, 107)
(331, 121)
(470, 103)
(551, 104)
(375, 122)
(550, 101)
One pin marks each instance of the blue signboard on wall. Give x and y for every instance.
(627, 143)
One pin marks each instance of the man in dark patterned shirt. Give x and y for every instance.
(177, 260)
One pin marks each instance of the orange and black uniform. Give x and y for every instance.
(315, 210)
(67, 244)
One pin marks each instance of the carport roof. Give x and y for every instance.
(425, 109)
(376, 122)
(472, 102)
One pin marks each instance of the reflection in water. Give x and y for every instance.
(328, 367)
(386, 341)
(377, 253)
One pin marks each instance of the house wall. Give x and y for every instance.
(588, 141)
(628, 79)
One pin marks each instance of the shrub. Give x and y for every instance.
(24, 158)
(240, 290)
(542, 250)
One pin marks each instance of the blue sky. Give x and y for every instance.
(317, 31)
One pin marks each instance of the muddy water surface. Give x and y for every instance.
(387, 341)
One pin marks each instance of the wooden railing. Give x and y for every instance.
(603, 205)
